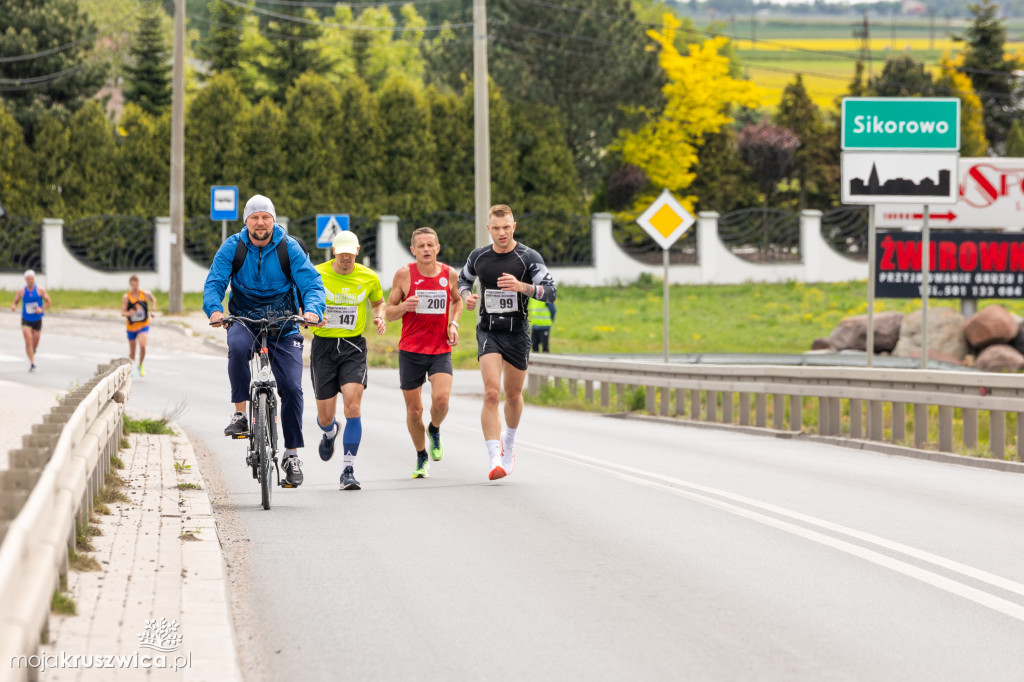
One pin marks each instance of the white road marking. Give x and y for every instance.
(693, 491)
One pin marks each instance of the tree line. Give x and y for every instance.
(595, 105)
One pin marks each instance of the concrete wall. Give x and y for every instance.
(716, 264)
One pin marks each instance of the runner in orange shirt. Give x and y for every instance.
(135, 308)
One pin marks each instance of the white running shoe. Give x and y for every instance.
(508, 458)
(496, 469)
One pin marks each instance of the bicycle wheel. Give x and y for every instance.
(263, 449)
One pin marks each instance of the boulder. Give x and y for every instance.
(945, 334)
(822, 344)
(992, 324)
(1018, 340)
(852, 332)
(1000, 357)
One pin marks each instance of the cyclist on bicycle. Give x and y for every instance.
(261, 287)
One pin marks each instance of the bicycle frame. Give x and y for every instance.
(262, 436)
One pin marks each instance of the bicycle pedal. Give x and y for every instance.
(240, 436)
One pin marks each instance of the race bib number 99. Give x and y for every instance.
(341, 317)
(497, 302)
(432, 302)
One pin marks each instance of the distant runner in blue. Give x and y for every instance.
(34, 304)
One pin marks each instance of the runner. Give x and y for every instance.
(425, 297)
(510, 275)
(34, 304)
(136, 311)
(338, 357)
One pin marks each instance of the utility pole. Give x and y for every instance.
(481, 124)
(863, 31)
(175, 303)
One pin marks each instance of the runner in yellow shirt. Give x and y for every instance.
(338, 355)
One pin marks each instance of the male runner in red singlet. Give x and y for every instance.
(425, 297)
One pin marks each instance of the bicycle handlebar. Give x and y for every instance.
(268, 321)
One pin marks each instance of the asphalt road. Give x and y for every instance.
(618, 549)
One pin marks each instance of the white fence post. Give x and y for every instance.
(163, 253)
(707, 245)
(53, 252)
(811, 245)
(603, 247)
(389, 254)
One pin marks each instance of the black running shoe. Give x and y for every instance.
(327, 444)
(348, 479)
(293, 472)
(238, 426)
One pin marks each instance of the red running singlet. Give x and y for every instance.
(426, 330)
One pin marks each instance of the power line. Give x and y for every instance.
(344, 27)
(68, 46)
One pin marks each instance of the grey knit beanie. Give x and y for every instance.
(259, 203)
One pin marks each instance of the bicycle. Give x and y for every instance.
(262, 436)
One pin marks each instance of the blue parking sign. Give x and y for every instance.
(328, 226)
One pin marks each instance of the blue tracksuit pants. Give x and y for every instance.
(286, 363)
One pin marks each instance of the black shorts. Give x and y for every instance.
(334, 362)
(513, 346)
(32, 324)
(414, 368)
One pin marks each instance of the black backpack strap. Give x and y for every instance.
(240, 253)
(282, 257)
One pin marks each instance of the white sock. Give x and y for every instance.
(509, 438)
(493, 448)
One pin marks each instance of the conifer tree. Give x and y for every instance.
(15, 167)
(91, 178)
(313, 111)
(142, 144)
(411, 182)
(47, 78)
(216, 117)
(362, 140)
(49, 154)
(1015, 140)
(222, 47)
(148, 75)
(985, 63)
(815, 167)
(294, 50)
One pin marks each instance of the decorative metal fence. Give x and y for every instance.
(21, 245)
(845, 229)
(111, 243)
(563, 239)
(760, 235)
(203, 238)
(632, 239)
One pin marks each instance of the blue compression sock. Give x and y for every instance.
(350, 439)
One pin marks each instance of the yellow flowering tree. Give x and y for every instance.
(952, 83)
(698, 96)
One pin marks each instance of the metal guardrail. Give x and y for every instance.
(50, 488)
(852, 402)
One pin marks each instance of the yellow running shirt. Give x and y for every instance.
(348, 299)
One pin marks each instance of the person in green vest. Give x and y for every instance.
(542, 316)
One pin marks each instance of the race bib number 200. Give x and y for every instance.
(432, 302)
(341, 316)
(497, 302)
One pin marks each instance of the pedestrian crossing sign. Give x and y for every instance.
(328, 226)
(666, 220)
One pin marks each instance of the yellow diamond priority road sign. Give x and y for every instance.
(666, 220)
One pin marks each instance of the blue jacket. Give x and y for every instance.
(260, 286)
